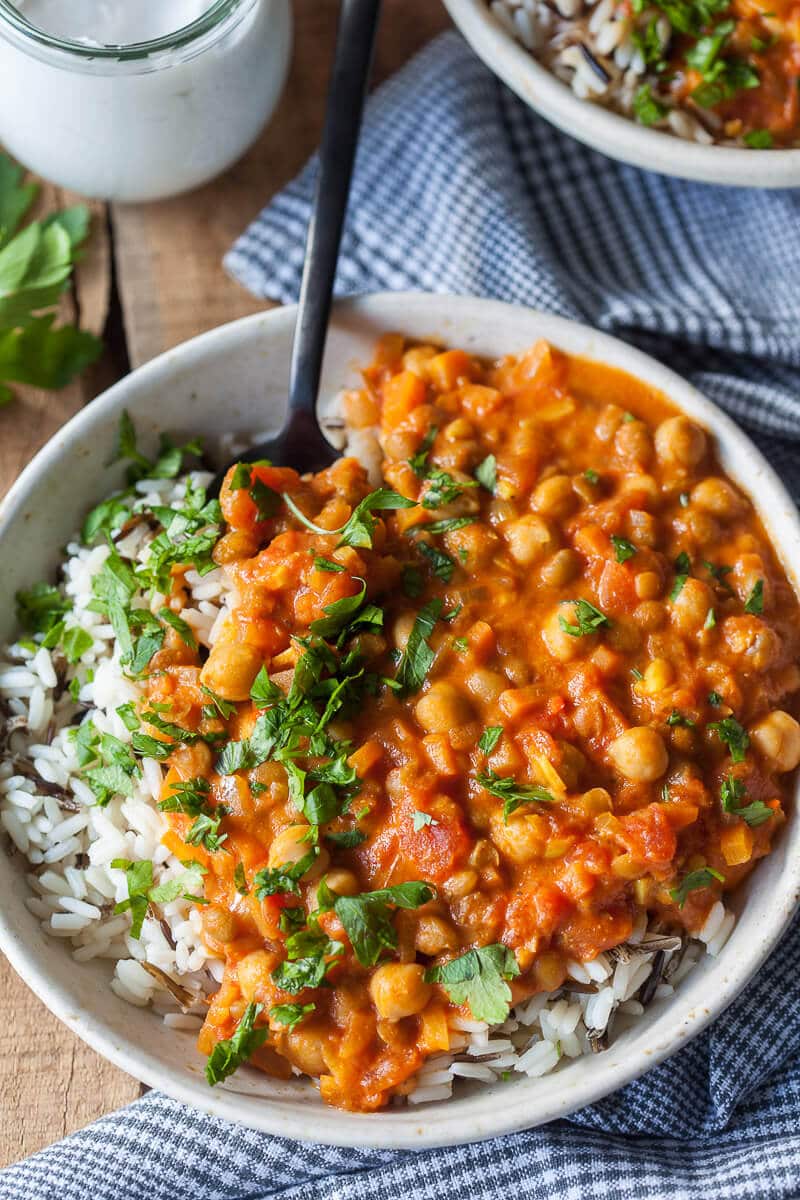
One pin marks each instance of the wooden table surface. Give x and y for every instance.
(153, 278)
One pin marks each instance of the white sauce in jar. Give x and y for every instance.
(111, 22)
(146, 124)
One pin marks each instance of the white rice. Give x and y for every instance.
(50, 817)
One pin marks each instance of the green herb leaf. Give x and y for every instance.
(588, 619)
(274, 881)
(327, 564)
(420, 819)
(702, 55)
(290, 1014)
(478, 978)
(714, 699)
(419, 461)
(41, 607)
(358, 530)
(702, 878)
(512, 794)
(338, 614)
(732, 792)
(754, 604)
(489, 738)
(229, 1054)
(224, 708)
(75, 643)
(486, 473)
(417, 658)
(240, 880)
(347, 839)
(412, 582)
(446, 525)
(442, 564)
(443, 489)
(759, 139)
(591, 476)
(183, 630)
(646, 109)
(623, 549)
(723, 81)
(367, 918)
(678, 718)
(733, 735)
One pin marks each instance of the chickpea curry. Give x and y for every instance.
(462, 730)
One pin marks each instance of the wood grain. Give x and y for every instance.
(168, 263)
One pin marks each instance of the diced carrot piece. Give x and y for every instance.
(365, 758)
(592, 541)
(447, 369)
(517, 702)
(680, 814)
(177, 846)
(440, 752)
(406, 517)
(607, 661)
(401, 395)
(389, 349)
(434, 1034)
(736, 843)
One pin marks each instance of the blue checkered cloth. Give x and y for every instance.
(461, 188)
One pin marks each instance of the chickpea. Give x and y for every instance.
(342, 882)
(305, 1048)
(643, 527)
(608, 422)
(521, 838)
(563, 645)
(639, 754)
(649, 615)
(561, 568)
(442, 708)
(528, 539)
(253, 973)
(361, 410)
(633, 443)
(717, 497)
(478, 915)
(290, 845)
(690, 607)
(658, 676)
(486, 685)
(234, 545)
(680, 442)
(399, 990)
(484, 854)
(554, 496)
(399, 444)
(460, 884)
(472, 547)
(647, 585)
(219, 925)
(754, 643)
(231, 668)
(747, 571)
(777, 737)
(434, 934)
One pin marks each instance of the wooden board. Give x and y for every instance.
(168, 263)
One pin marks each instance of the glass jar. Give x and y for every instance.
(146, 120)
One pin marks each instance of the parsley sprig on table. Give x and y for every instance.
(35, 268)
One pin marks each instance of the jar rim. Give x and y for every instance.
(133, 51)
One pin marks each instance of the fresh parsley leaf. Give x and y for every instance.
(229, 1054)
(733, 735)
(127, 714)
(486, 473)
(460, 645)
(338, 614)
(702, 55)
(723, 80)
(347, 839)
(290, 1014)
(40, 608)
(180, 626)
(442, 564)
(75, 643)
(588, 619)
(732, 792)
(412, 582)
(489, 738)
(150, 747)
(274, 881)
(417, 658)
(367, 918)
(711, 619)
(446, 525)
(266, 500)
(623, 549)
(139, 878)
(683, 564)
(759, 139)
(512, 794)
(591, 476)
(754, 604)
(240, 880)
(295, 976)
(264, 692)
(714, 699)
(443, 489)
(702, 878)
(419, 461)
(327, 564)
(358, 529)
(478, 979)
(646, 109)
(107, 517)
(224, 708)
(205, 830)
(679, 718)
(189, 797)
(420, 819)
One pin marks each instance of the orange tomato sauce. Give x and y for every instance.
(602, 600)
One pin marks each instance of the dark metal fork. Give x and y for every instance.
(301, 443)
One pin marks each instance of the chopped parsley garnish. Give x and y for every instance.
(108, 764)
(190, 797)
(486, 473)
(240, 880)
(229, 1054)
(646, 108)
(290, 1014)
(367, 919)
(327, 564)
(679, 718)
(489, 738)
(417, 658)
(460, 645)
(41, 608)
(623, 549)
(732, 792)
(412, 582)
(733, 735)
(419, 461)
(359, 527)
(347, 839)
(723, 80)
(75, 643)
(759, 139)
(588, 619)
(754, 604)
(512, 794)
(274, 881)
(702, 878)
(718, 574)
(591, 476)
(711, 619)
(714, 699)
(141, 892)
(446, 525)
(183, 630)
(223, 708)
(442, 564)
(264, 692)
(703, 54)
(443, 489)
(478, 978)
(636, 673)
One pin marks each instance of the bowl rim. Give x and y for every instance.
(447, 1122)
(610, 132)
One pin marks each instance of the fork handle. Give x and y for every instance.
(355, 40)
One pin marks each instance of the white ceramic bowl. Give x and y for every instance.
(234, 379)
(618, 136)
